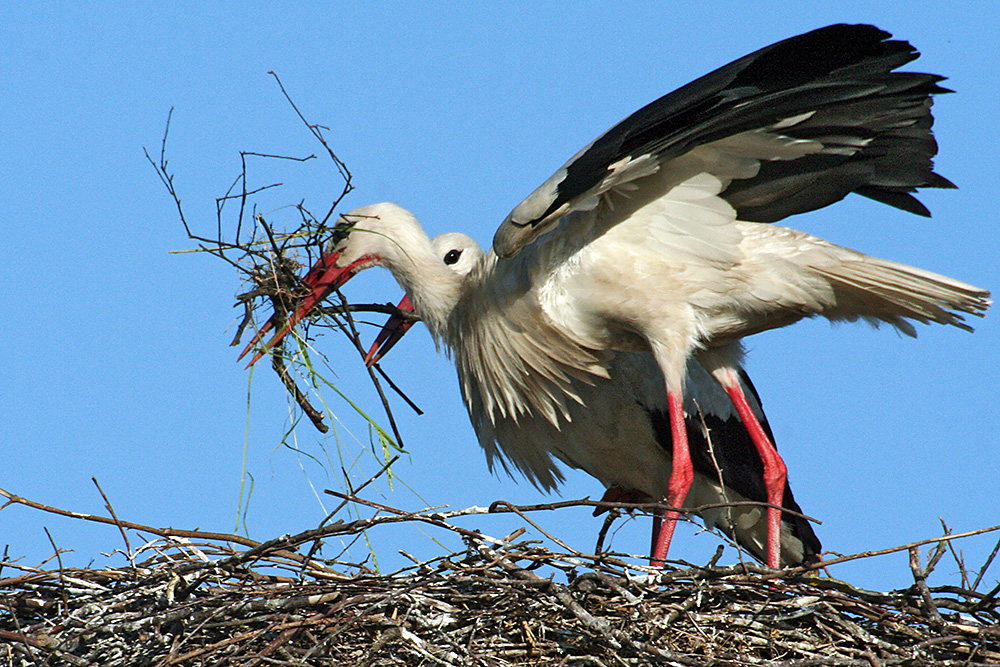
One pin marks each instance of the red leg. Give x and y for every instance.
(775, 472)
(657, 529)
(681, 477)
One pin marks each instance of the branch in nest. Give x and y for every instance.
(315, 416)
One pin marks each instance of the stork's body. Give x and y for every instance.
(649, 241)
(619, 432)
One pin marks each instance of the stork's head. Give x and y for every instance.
(375, 235)
(458, 251)
(389, 236)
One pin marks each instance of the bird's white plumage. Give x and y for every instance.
(607, 432)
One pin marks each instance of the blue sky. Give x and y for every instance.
(117, 362)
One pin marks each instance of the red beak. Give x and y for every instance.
(394, 329)
(322, 278)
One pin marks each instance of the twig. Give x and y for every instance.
(920, 579)
(354, 492)
(165, 177)
(121, 529)
(356, 339)
(162, 532)
(649, 507)
(986, 565)
(513, 508)
(62, 577)
(317, 132)
(882, 552)
(317, 544)
(315, 416)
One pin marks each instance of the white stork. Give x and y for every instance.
(650, 240)
(727, 468)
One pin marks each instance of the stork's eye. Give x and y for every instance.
(452, 257)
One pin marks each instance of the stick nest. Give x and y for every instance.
(499, 602)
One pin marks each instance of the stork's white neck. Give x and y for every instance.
(432, 286)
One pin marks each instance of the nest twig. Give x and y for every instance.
(208, 599)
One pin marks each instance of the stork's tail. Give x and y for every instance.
(792, 274)
(882, 291)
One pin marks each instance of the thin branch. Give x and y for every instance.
(882, 552)
(355, 338)
(314, 415)
(986, 565)
(111, 510)
(316, 131)
(166, 177)
(62, 578)
(162, 532)
(920, 580)
(515, 510)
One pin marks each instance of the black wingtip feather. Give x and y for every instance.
(820, 53)
(901, 200)
(865, 103)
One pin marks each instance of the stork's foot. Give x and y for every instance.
(617, 494)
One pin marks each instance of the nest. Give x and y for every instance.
(201, 600)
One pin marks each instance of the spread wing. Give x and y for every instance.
(821, 115)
